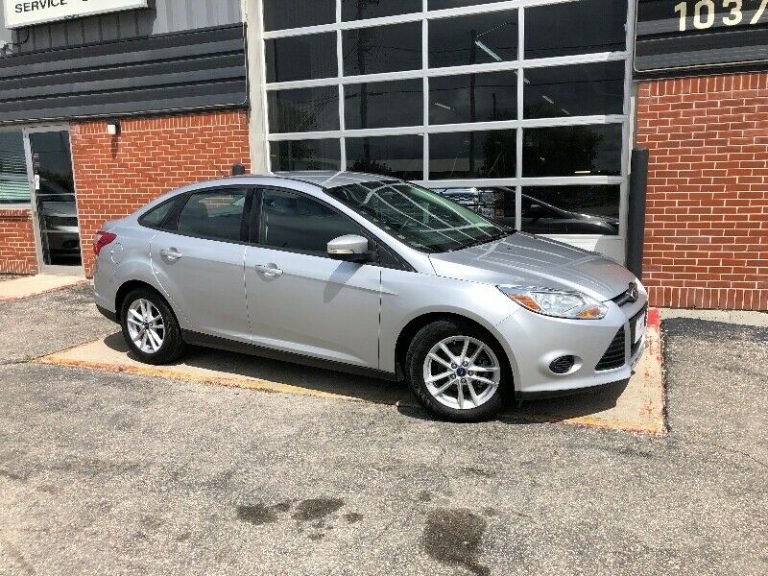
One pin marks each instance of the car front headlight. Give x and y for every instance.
(556, 303)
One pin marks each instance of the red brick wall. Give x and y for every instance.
(706, 243)
(115, 175)
(17, 242)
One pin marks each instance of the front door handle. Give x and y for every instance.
(171, 254)
(269, 270)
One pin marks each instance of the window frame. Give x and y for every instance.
(169, 224)
(24, 204)
(176, 199)
(391, 258)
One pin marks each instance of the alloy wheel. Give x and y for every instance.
(145, 326)
(462, 372)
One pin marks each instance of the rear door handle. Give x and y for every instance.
(171, 254)
(269, 270)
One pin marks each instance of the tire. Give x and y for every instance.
(153, 341)
(479, 400)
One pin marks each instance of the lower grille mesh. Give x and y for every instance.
(614, 356)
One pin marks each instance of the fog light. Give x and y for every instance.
(562, 364)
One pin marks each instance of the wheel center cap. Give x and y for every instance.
(461, 372)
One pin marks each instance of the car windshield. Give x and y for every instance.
(418, 217)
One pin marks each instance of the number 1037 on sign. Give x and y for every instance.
(704, 13)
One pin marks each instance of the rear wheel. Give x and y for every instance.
(456, 371)
(150, 327)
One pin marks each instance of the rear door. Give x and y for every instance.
(198, 258)
(299, 299)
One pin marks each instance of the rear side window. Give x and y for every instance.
(213, 214)
(300, 224)
(155, 217)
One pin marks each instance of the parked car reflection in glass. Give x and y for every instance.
(597, 212)
(58, 223)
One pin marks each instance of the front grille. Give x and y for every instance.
(614, 356)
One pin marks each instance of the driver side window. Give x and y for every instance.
(299, 223)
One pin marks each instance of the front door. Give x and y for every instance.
(53, 185)
(299, 299)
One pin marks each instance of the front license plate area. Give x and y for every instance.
(638, 329)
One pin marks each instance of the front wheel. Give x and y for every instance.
(150, 327)
(456, 371)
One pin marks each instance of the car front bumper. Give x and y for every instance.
(533, 341)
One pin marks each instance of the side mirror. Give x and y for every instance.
(350, 247)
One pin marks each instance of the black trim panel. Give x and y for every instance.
(551, 394)
(218, 343)
(180, 71)
(669, 45)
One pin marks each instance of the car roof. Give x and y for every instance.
(330, 178)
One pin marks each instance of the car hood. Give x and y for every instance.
(527, 260)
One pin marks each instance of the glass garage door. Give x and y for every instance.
(518, 109)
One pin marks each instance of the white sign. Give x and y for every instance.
(20, 13)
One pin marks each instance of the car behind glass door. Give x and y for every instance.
(299, 299)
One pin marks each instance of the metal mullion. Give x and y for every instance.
(474, 68)
(596, 120)
(519, 142)
(572, 121)
(298, 84)
(489, 8)
(304, 31)
(589, 58)
(593, 58)
(625, 131)
(530, 182)
(425, 90)
(374, 132)
(382, 21)
(467, 183)
(282, 136)
(472, 126)
(533, 181)
(384, 76)
(340, 88)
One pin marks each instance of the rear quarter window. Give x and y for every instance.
(157, 215)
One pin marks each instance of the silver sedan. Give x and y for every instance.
(369, 274)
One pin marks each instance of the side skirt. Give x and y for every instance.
(218, 343)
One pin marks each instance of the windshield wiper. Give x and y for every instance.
(485, 240)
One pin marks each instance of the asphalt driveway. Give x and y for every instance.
(110, 473)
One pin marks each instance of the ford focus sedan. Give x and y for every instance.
(369, 274)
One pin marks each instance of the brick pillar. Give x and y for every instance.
(707, 206)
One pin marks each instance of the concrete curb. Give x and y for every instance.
(42, 292)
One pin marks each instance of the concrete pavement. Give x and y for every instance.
(117, 473)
